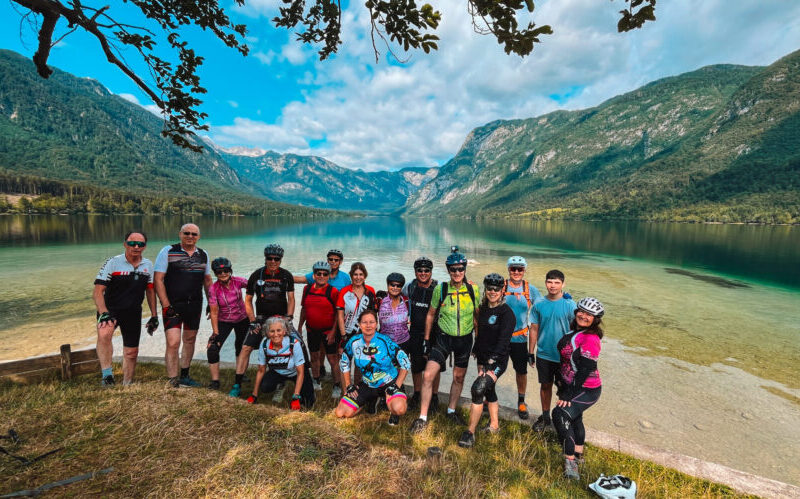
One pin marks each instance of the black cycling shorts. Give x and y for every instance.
(253, 340)
(129, 323)
(317, 340)
(519, 357)
(547, 370)
(188, 316)
(365, 395)
(459, 346)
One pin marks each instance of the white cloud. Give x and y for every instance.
(387, 116)
(134, 100)
(233, 104)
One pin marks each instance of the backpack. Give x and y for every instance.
(470, 290)
(328, 295)
(526, 291)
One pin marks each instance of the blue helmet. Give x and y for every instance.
(456, 258)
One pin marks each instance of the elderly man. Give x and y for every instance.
(182, 272)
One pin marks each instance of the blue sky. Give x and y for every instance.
(360, 114)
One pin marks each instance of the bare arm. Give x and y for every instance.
(300, 279)
(150, 294)
(215, 319)
(533, 337)
(248, 308)
(340, 320)
(302, 320)
(161, 290)
(207, 280)
(429, 322)
(401, 376)
(98, 295)
(290, 305)
(259, 377)
(298, 383)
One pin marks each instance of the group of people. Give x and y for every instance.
(412, 326)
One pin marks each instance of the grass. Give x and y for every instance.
(197, 442)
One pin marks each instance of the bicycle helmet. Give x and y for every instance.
(336, 252)
(591, 306)
(494, 279)
(220, 263)
(273, 249)
(455, 258)
(616, 486)
(423, 262)
(517, 261)
(321, 265)
(396, 277)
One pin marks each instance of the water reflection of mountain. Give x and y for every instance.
(761, 253)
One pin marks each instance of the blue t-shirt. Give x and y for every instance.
(285, 360)
(553, 318)
(519, 305)
(379, 362)
(341, 280)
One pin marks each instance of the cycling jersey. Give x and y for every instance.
(520, 298)
(228, 299)
(553, 318)
(379, 361)
(495, 326)
(270, 291)
(419, 301)
(339, 282)
(319, 306)
(125, 284)
(284, 360)
(572, 347)
(394, 320)
(184, 274)
(457, 310)
(353, 306)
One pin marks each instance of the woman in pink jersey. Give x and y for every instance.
(227, 313)
(578, 382)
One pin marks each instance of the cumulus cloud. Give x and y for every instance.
(375, 116)
(134, 100)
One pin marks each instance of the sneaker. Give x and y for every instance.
(173, 382)
(433, 407)
(214, 385)
(107, 381)
(455, 417)
(489, 430)
(317, 385)
(235, 391)
(467, 439)
(394, 419)
(542, 423)
(418, 426)
(278, 396)
(522, 411)
(571, 469)
(414, 401)
(336, 392)
(188, 382)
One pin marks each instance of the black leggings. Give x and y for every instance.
(569, 420)
(225, 328)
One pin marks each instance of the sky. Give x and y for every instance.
(388, 115)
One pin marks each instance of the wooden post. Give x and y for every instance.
(66, 362)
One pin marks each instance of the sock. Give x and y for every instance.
(107, 372)
(184, 372)
(546, 414)
(520, 398)
(450, 411)
(238, 379)
(424, 418)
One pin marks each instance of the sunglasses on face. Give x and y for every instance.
(222, 271)
(273, 259)
(453, 270)
(516, 269)
(193, 234)
(423, 270)
(334, 259)
(494, 288)
(321, 272)
(394, 285)
(136, 244)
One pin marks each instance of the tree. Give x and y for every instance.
(174, 86)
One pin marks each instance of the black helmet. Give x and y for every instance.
(396, 277)
(494, 279)
(273, 249)
(221, 263)
(336, 252)
(423, 262)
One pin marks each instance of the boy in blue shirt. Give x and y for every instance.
(550, 319)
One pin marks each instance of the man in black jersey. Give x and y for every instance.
(119, 288)
(419, 292)
(182, 273)
(273, 288)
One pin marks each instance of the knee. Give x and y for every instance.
(213, 353)
(429, 375)
(400, 408)
(343, 411)
(478, 390)
(189, 339)
(130, 353)
(173, 343)
(246, 350)
(459, 377)
(561, 419)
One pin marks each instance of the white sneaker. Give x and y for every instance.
(278, 397)
(336, 393)
(317, 385)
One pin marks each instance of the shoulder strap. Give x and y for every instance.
(329, 295)
(471, 292)
(526, 290)
(442, 296)
(412, 286)
(305, 294)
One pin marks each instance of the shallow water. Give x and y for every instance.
(703, 327)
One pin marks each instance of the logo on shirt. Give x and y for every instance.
(493, 319)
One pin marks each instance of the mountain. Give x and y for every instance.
(315, 181)
(719, 143)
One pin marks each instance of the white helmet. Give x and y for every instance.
(517, 261)
(614, 487)
(591, 306)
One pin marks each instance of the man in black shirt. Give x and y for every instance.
(119, 288)
(273, 288)
(419, 292)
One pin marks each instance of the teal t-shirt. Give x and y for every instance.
(553, 318)
(515, 298)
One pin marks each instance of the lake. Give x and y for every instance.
(701, 352)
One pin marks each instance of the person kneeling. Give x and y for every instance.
(383, 367)
(284, 356)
